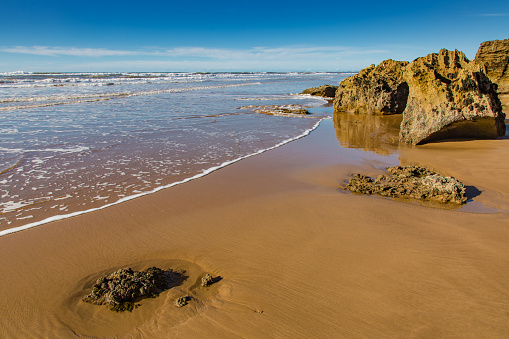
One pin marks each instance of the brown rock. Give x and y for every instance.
(120, 289)
(207, 280)
(327, 91)
(449, 98)
(376, 89)
(285, 110)
(495, 55)
(410, 182)
(441, 96)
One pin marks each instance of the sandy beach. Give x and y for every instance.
(297, 256)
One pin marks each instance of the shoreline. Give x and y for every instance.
(157, 189)
(297, 256)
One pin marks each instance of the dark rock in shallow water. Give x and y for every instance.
(120, 289)
(327, 91)
(410, 182)
(285, 110)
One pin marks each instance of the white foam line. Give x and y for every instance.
(117, 94)
(204, 173)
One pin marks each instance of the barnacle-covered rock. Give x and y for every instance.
(120, 289)
(410, 182)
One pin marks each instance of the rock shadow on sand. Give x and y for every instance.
(472, 192)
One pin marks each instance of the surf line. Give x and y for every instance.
(199, 175)
(104, 96)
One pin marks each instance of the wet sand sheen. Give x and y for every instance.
(297, 256)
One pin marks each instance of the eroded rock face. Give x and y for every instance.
(120, 289)
(327, 91)
(495, 56)
(376, 89)
(441, 96)
(449, 97)
(410, 182)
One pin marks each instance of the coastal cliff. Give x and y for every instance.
(441, 96)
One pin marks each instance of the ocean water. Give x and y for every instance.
(74, 142)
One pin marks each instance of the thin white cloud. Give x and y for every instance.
(69, 51)
(194, 52)
(495, 14)
(286, 58)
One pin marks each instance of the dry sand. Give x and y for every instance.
(298, 257)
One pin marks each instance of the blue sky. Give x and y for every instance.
(241, 35)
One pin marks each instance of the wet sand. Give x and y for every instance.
(297, 256)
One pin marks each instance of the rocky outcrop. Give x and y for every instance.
(376, 89)
(120, 289)
(449, 98)
(278, 109)
(441, 96)
(327, 91)
(410, 182)
(495, 56)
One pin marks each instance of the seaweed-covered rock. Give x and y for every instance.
(121, 288)
(278, 109)
(410, 182)
(376, 89)
(327, 91)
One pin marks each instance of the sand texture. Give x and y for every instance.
(297, 257)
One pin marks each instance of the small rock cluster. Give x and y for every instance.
(120, 289)
(278, 109)
(410, 182)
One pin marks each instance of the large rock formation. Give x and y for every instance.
(449, 98)
(442, 96)
(495, 55)
(326, 91)
(376, 89)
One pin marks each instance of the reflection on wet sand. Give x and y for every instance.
(375, 133)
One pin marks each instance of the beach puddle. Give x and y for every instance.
(86, 319)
